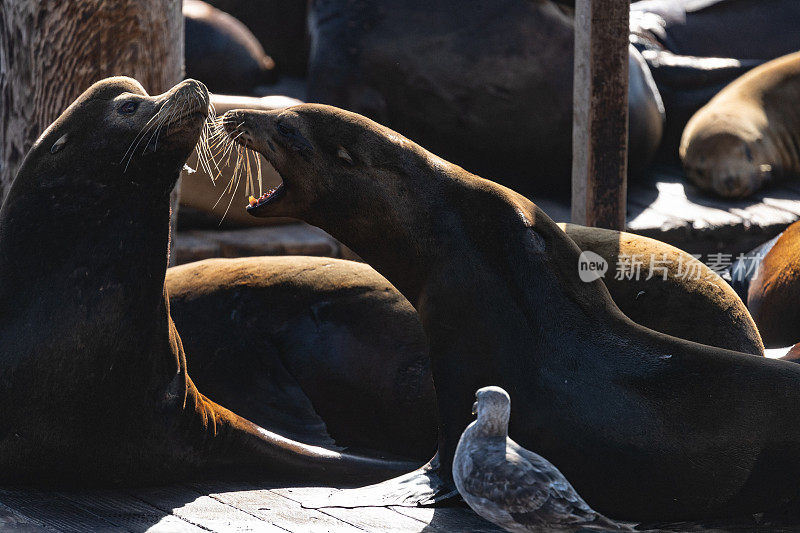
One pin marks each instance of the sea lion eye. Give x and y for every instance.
(344, 155)
(128, 107)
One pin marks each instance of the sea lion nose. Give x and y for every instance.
(732, 185)
(194, 88)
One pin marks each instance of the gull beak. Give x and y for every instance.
(475, 408)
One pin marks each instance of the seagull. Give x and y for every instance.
(511, 486)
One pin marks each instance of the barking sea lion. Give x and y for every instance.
(684, 430)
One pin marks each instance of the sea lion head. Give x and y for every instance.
(323, 154)
(493, 407)
(728, 154)
(116, 136)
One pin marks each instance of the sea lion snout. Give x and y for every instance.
(726, 164)
(191, 93)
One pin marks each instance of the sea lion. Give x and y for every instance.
(280, 26)
(693, 48)
(773, 296)
(747, 135)
(684, 430)
(667, 290)
(222, 53)
(251, 326)
(489, 87)
(206, 198)
(93, 377)
(319, 350)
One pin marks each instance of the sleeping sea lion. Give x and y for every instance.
(319, 350)
(748, 135)
(668, 290)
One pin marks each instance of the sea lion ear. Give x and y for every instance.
(344, 155)
(58, 144)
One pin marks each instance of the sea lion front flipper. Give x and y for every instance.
(424, 487)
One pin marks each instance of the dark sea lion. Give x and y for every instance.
(222, 53)
(280, 26)
(684, 430)
(774, 293)
(749, 134)
(93, 376)
(667, 290)
(294, 342)
(489, 86)
(486, 85)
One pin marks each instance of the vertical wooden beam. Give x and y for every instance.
(51, 51)
(600, 122)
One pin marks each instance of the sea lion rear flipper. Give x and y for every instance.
(423, 487)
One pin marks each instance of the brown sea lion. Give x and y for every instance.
(749, 134)
(666, 289)
(222, 53)
(93, 377)
(298, 345)
(208, 197)
(774, 293)
(319, 350)
(684, 430)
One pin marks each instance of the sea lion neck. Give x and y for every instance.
(506, 240)
(93, 254)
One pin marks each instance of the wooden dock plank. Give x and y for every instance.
(202, 511)
(379, 519)
(277, 510)
(13, 521)
(128, 512)
(53, 511)
(371, 519)
(460, 519)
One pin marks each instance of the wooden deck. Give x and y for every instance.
(221, 507)
(661, 205)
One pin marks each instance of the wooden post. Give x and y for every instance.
(600, 122)
(52, 50)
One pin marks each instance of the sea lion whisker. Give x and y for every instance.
(177, 112)
(142, 131)
(230, 202)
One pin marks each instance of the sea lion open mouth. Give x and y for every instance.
(270, 144)
(272, 195)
